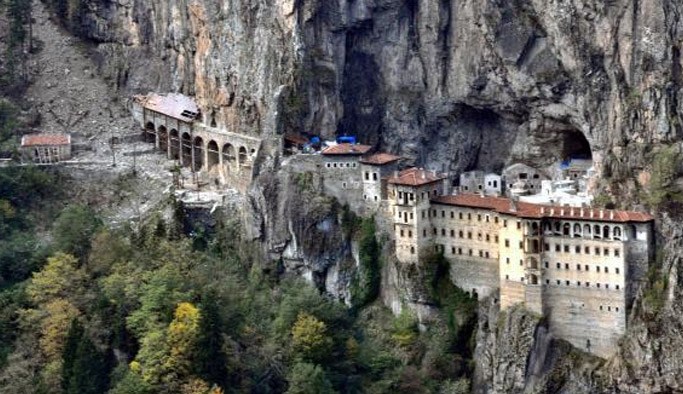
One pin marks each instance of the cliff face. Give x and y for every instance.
(452, 85)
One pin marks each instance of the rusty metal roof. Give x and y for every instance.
(527, 210)
(346, 149)
(174, 105)
(416, 177)
(46, 139)
(380, 159)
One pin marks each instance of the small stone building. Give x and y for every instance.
(374, 172)
(48, 148)
(522, 174)
(341, 169)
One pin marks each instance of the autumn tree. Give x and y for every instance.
(60, 278)
(309, 337)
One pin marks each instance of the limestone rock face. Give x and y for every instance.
(452, 85)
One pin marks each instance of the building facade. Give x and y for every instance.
(577, 266)
(48, 148)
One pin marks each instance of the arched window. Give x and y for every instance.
(198, 147)
(557, 228)
(175, 145)
(533, 279)
(186, 149)
(606, 232)
(243, 155)
(150, 132)
(213, 154)
(617, 233)
(229, 155)
(577, 230)
(586, 230)
(532, 263)
(596, 231)
(566, 229)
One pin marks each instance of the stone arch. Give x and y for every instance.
(617, 233)
(547, 228)
(186, 143)
(175, 144)
(577, 230)
(229, 156)
(163, 138)
(242, 155)
(606, 231)
(532, 263)
(586, 230)
(150, 132)
(596, 231)
(198, 148)
(558, 229)
(213, 155)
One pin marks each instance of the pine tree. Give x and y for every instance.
(210, 361)
(89, 371)
(70, 349)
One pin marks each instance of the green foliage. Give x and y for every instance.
(73, 230)
(85, 370)
(15, 76)
(460, 386)
(309, 337)
(306, 378)
(665, 171)
(8, 122)
(210, 361)
(130, 383)
(603, 201)
(654, 297)
(350, 222)
(404, 330)
(304, 181)
(365, 285)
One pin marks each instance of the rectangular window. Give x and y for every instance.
(586, 267)
(607, 270)
(479, 218)
(470, 252)
(567, 282)
(423, 214)
(521, 245)
(566, 248)
(557, 248)
(410, 234)
(558, 282)
(519, 225)
(469, 235)
(452, 233)
(486, 255)
(460, 215)
(616, 270)
(443, 213)
(367, 176)
(496, 239)
(521, 263)
(507, 243)
(566, 266)
(401, 233)
(547, 281)
(469, 216)
(507, 260)
(617, 253)
(558, 266)
(577, 249)
(597, 268)
(460, 251)
(617, 287)
(587, 250)
(546, 247)
(453, 250)
(505, 223)
(495, 220)
(452, 214)
(374, 178)
(481, 253)
(578, 283)
(578, 267)
(488, 238)
(605, 252)
(597, 251)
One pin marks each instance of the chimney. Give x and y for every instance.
(513, 205)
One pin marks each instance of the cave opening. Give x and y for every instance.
(574, 146)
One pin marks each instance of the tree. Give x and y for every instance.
(73, 338)
(210, 361)
(74, 228)
(306, 378)
(8, 120)
(90, 369)
(366, 285)
(60, 278)
(59, 315)
(309, 337)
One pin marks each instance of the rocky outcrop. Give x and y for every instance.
(451, 85)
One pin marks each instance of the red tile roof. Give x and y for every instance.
(380, 159)
(346, 149)
(527, 210)
(46, 139)
(416, 177)
(296, 139)
(174, 105)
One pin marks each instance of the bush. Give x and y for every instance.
(73, 230)
(365, 285)
(404, 328)
(305, 378)
(665, 170)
